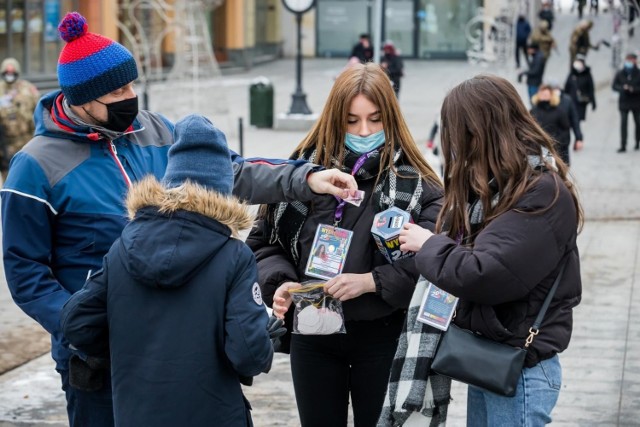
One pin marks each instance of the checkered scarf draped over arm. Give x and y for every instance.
(413, 388)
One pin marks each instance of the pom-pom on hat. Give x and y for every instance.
(91, 65)
(199, 154)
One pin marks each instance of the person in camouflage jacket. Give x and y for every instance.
(18, 100)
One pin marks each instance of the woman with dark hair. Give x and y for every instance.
(508, 225)
(361, 131)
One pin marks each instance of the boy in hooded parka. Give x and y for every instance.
(177, 306)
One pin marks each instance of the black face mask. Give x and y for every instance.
(544, 104)
(121, 114)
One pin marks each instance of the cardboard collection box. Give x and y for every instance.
(386, 232)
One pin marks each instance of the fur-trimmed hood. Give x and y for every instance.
(554, 101)
(191, 197)
(175, 232)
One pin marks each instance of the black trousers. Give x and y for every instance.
(327, 369)
(624, 115)
(521, 47)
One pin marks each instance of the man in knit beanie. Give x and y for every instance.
(179, 286)
(62, 202)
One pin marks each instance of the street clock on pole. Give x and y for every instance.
(298, 6)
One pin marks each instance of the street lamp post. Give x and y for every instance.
(299, 98)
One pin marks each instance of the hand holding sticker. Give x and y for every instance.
(356, 199)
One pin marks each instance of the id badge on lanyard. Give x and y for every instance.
(331, 243)
(438, 307)
(328, 252)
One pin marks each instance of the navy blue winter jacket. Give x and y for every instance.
(178, 308)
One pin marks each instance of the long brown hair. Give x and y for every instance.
(487, 133)
(327, 135)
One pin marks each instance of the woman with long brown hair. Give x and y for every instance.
(361, 131)
(509, 222)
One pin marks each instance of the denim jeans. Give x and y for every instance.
(88, 408)
(536, 395)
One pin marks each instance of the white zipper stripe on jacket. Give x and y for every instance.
(114, 154)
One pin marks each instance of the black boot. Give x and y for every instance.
(622, 149)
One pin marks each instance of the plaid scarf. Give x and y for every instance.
(285, 220)
(414, 390)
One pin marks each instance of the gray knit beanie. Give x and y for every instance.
(199, 154)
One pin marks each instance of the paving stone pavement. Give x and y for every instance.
(601, 368)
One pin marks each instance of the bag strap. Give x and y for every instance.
(535, 329)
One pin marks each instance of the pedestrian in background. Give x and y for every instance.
(581, 4)
(523, 30)
(553, 119)
(536, 69)
(579, 86)
(18, 100)
(566, 104)
(508, 201)
(627, 84)
(393, 65)
(363, 50)
(62, 202)
(580, 42)
(546, 13)
(176, 307)
(361, 131)
(542, 37)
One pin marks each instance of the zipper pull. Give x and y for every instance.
(113, 148)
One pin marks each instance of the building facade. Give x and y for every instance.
(428, 29)
(242, 33)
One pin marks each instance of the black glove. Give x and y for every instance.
(89, 374)
(248, 381)
(275, 328)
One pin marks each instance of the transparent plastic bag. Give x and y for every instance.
(316, 313)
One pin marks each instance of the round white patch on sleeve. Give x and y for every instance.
(257, 294)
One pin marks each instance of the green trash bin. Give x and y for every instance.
(261, 103)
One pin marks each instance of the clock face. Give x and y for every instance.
(298, 6)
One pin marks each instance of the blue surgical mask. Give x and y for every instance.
(364, 144)
(628, 65)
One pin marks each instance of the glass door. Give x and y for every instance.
(338, 25)
(399, 25)
(441, 27)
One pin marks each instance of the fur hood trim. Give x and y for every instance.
(191, 197)
(554, 101)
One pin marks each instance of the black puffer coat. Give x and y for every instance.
(556, 122)
(504, 278)
(394, 282)
(579, 86)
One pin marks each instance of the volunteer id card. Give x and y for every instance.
(437, 308)
(328, 252)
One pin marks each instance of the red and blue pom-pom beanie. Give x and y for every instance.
(91, 65)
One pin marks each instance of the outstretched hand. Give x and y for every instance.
(412, 237)
(282, 299)
(350, 285)
(332, 181)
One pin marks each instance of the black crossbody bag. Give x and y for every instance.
(475, 360)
